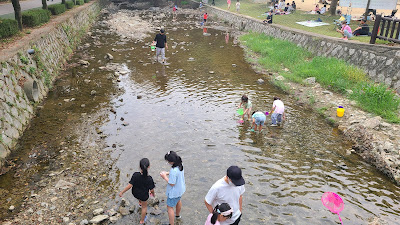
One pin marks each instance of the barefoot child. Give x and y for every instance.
(176, 185)
(258, 120)
(246, 104)
(141, 183)
(221, 213)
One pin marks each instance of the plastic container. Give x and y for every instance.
(153, 48)
(240, 111)
(340, 111)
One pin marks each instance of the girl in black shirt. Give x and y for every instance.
(141, 184)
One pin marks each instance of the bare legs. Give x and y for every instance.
(144, 211)
(171, 214)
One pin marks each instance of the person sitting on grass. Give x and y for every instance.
(269, 18)
(345, 31)
(316, 9)
(322, 10)
(362, 29)
(294, 5)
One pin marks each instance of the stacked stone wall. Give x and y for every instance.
(380, 62)
(23, 72)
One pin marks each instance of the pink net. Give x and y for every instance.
(333, 202)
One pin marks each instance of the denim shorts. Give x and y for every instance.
(171, 202)
(260, 120)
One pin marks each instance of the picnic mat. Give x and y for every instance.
(312, 23)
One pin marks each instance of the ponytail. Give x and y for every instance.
(171, 156)
(144, 165)
(223, 209)
(215, 215)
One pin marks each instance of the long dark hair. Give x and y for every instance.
(171, 156)
(218, 210)
(144, 165)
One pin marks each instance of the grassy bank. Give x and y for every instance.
(297, 64)
(257, 10)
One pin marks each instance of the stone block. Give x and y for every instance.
(14, 112)
(6, 140)
(3, 151)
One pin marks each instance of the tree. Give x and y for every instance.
(44, 3)
(17, 12)
(63, 2)
(332, 10)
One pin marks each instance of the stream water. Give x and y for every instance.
(185, 108)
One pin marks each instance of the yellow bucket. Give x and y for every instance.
(340, 111)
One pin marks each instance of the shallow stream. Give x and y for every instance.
(186, 108)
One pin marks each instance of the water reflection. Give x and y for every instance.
(189, 107)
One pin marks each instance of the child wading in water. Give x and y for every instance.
(246, 103)
(258, 120)
(141, 183)
(176, 185)
(221, 213)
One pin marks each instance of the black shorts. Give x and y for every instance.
(237, 221)
(205, 20)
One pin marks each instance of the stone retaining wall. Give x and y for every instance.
(382, 63)
(20, 73)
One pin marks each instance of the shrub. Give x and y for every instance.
(35, 17)
(69, 4)
(86, 1)
(57, 9)
(79, 2)
(8, 28)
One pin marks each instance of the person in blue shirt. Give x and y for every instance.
(175, 185)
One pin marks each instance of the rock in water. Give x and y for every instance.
(124, 211)
(98, 219)
(62, 184)
(109, 56)
(260, 81)
(98, 211)
(83, 62)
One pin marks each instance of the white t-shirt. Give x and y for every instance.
(279, 107)
(222, 192)
(323, 10)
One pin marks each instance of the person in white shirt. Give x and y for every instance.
(228, 189)
(278, 111)
(322, 10)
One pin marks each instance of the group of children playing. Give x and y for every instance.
(258, 117)
(142, 186)
(142, 183)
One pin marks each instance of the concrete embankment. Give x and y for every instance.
(29, 66)
(375, 140)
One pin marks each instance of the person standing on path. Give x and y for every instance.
(175, 185)
(141, 183)
(229, 4)
(161, 44)
(237, 6)
(278, 112)
(228, 189)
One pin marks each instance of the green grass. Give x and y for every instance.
(257, 10)
(333, 74)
